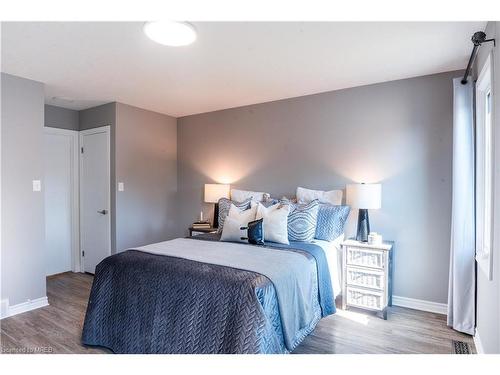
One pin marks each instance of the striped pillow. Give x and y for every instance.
(302, 221)
(225, 205)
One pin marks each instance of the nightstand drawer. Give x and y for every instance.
(358, 256)
(364, 298)
(367, 278)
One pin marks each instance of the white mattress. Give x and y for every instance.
(333, 251)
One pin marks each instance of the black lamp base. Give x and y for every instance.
(216, 216)
(363, 225)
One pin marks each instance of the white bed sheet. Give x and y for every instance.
(333, 251)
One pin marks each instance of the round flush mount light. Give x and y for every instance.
(170, 33)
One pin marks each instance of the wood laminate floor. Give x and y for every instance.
(57, 328)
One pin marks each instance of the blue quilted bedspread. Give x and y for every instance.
(147, 303)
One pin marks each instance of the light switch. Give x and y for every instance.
(37, 185)
(121, 186)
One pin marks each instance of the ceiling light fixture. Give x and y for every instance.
(170, 33)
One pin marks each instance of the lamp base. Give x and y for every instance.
(216, 216)
(363, 225)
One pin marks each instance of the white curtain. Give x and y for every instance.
(461, 292)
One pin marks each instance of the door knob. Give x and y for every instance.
(103, 212)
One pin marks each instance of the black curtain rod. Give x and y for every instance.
(478, 38)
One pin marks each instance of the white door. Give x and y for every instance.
(61, 200)
(95, 222)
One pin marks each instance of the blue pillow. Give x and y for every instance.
(331, 221)
(302, 221)
(256, 232)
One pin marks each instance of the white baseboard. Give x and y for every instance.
(419, 304)
(478, 343)
(22, 307)
(4, 308)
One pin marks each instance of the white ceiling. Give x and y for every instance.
(231, 64)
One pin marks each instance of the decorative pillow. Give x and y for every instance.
(269, 202)
(331, 221)
(243, 195)
(307, 195)
(288, 200)
(225, 205)
(234, 231)
(275, 219)
(302, 221)
(256, 232)
(236, 223)
(244, 216)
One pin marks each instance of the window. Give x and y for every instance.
(484, 170)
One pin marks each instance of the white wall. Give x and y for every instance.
(488, 292)
(23, 267)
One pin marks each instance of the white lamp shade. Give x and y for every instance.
(366, 196)
(213, 192)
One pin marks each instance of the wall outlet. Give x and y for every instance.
(37, 185)
(121, 186)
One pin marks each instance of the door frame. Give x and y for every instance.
(75, 192)
(103, 129)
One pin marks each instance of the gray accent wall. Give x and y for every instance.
(398, 133)
(488, 291)
(146, 162)
(23, 220)
(62, 118)
(96, 117)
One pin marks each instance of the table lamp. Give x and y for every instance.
(213, 192)
(364, 197)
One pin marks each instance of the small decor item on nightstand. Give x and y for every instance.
(201, 225)
(374, 238)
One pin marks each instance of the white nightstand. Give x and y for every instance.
(367, 275)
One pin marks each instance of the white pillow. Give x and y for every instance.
(243, 216)
(232, 231)
(275, 222)
(235, 220)
(307, 195)
(242, 195)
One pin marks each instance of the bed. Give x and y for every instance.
(201, 295)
